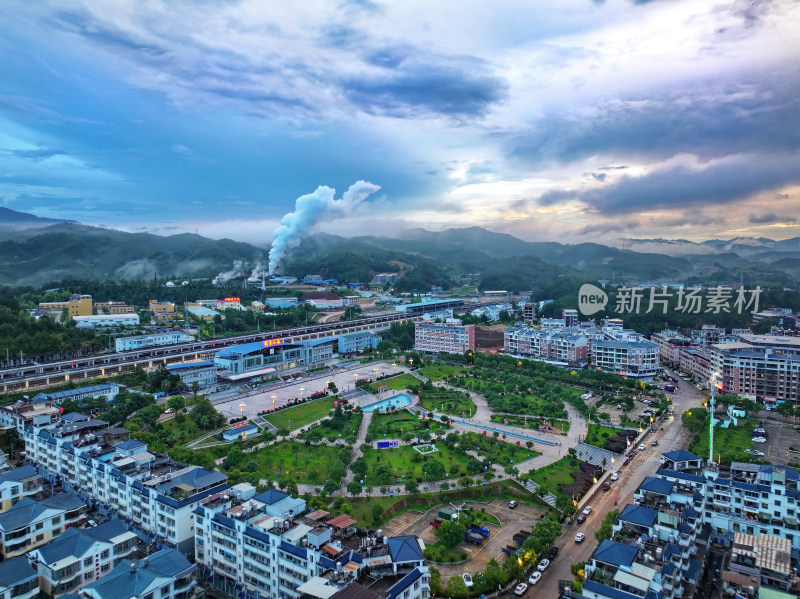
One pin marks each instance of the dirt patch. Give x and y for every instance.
(583, 480)
(619, 443)
(488, 337)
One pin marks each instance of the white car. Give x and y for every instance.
(467, 580)
(580, 537)
(641, 446)
(587, 510)
(169, 410)
(543, 565)
(614, 476)
(759, 440)
(535, 577)
(520, 589)
(754, 452)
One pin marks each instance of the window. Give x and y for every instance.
(105, 567)
(104, 555)
(87, 562)
(88, 576)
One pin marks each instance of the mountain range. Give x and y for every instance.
(35, 250)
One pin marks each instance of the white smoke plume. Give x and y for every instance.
(258, 270)
(311, 209)
(224, 277)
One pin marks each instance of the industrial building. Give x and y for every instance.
(162, 311)
(77, 305)
(107, 390)
(106, 320)
(153, 340)
(449, 337)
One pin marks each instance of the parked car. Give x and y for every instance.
(580, 519)
(587, 510)
(535, 577)
(614, 476)
(619, 406)
(169, 410)
(754, 452)
(512, 504)
(580, 537)
(520, 589)
(759, 440)
(552, 554)
(760, 430)
(467, 580)
(543, 565)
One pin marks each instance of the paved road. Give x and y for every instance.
(646, 463)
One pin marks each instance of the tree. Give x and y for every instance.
(565, 505)
(205, 416)
(359, 467)
(376, 511)
(433, 469)
(291, 488)
(148, 416)
(605, 531)
(354, 487)
(436, 581)
(251, 466)
(786, 409)
(451, 533)
(456, 588)
(234, 458)
(195, 388)
(411, 486)
(177, 402)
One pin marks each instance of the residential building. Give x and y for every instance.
(81, 556)
(154, 493)
(18, 483)
(559, 346)
(162, 311)
(766, 558)
(28, 523)
(570, 317)
(670, 344)
(552, 323)
(204, 373)
(77, 305)
(106, 320)
(18, 580)
(21, 415)
(529, 312)
(707, 335)
(268, 546)
(764, 367)
(696, 363)
(166, 574)
(107, 390)
(154, 340)
(633, 359)
(449, 337)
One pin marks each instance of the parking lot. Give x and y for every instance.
(781, 436)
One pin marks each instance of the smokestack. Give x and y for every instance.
(311, 209)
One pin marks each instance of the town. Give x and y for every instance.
(427, 445)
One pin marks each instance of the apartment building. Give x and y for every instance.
(166, 574)
(150, 491)
(449, 337)
(762, 366)
(18, 416)
(633, 358)
(107, 390)
(79, 557)
(18, 483)
(764, 558)
(696, 362)
(670, 344)
(570, 317)
(18, 580)
(351, 343)
(268, 546)
(154, 340)
(562, 346)
(29, 524)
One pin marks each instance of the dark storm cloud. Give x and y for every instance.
(769, 218)
(689, 217)
(708, 121)
(611, 227)
(453, 87)
(550, 198)
(683, 186)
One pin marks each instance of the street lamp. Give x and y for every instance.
(411, 362)
(301, 392)
(375, 371)
(274, 397)
(394, 367)
(241, 409)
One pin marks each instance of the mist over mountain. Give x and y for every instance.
(34, 250)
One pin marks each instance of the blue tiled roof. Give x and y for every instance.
(693, 569)
(679, 455)
(122, 583)
(404, 549)
(401, 585)
(326, 562)
(14, 571)
(637, 514)
(601, 589)
(18, 474)
(271, 496)
(791, 473)
(681, 475)
(243, 349)
(131, 444)
(611, 552)
(668, 568)
(293, 549)
(670, 550)
(191, 365)
(56, 395)
(27, 510)
(75, 542)
(657, 485)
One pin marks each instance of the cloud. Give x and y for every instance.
(38, 153)
(684, 185)
(769, 218)
(181, 149)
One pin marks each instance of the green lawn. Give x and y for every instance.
(438, 372)
(406, 462)
(457, 403)
(324, 430)
(729, 443)
(398, 383)
(297, 416)
(598, 434)
(553, 476)
(304, 463)
(395, 424)
(496, 450)
(531, 422)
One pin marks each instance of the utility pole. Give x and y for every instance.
(713, 382)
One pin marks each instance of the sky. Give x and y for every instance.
(571, 121)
